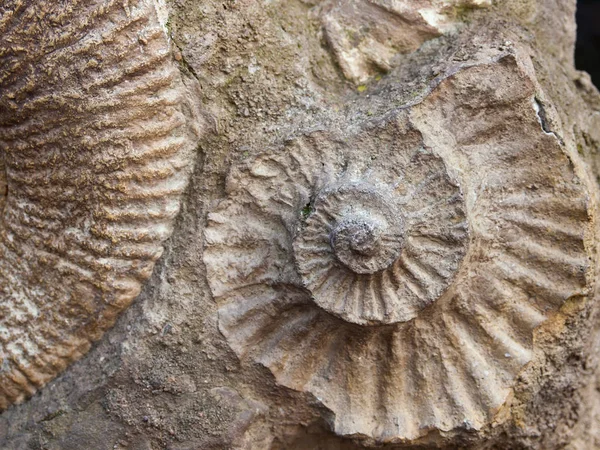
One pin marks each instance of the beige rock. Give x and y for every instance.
(366, 35)
(389, 238)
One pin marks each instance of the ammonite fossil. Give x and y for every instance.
(398, 272)
(94, 155)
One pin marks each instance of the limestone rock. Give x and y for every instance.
(366, 35)
(389, 239)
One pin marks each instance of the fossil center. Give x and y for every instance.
(359, 242)
(354, 234)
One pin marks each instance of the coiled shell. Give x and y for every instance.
(94, 155)
(398, 273)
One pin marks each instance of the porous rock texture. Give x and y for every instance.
(96, 152)
(389, 238)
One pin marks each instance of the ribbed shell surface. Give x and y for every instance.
(497, 235)
(95, 154)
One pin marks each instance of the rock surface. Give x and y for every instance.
(485, 118)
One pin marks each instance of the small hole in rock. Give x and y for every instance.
(587, 49)
(306, 210)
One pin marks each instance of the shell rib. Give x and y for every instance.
(487, 237)
(94, 154)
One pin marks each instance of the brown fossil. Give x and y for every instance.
(360, 251)
(94, 154)
(398, 273)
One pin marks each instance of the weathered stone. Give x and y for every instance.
(390, 237)
(366, 35)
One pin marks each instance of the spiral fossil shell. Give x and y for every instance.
(398, 273)
(94, 155)
(362, 252)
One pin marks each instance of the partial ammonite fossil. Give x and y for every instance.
(94, 155)
(397, 273)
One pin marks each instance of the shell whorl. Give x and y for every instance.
(486, 236)
(357, 252)
(95, 152)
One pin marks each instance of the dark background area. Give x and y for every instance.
(587, 50)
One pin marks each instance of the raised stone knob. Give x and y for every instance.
(358, 242)
(351, 253)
